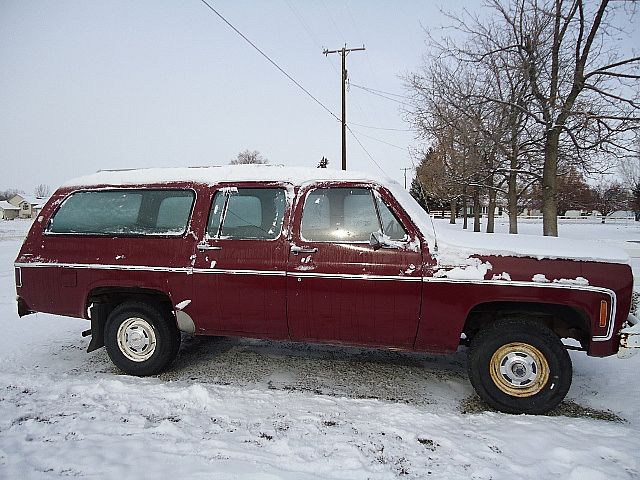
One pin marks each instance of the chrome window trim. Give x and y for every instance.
(46, 230)
(226, 193)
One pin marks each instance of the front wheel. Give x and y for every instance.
(519, 366)
(141, 339)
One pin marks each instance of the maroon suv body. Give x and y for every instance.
(314, 256)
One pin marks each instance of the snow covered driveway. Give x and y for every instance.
(246, 409)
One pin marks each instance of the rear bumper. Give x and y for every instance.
(630, 338)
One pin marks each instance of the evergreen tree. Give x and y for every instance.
(417, 192)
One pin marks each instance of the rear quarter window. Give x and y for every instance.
(124, 212)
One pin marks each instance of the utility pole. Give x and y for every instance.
(344, 51)
(405, 175)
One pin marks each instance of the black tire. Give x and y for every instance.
(141, 339)
(519, 366)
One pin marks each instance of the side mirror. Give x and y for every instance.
(376, 240)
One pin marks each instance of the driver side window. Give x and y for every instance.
(345, 215)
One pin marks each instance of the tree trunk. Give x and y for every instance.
(464, 209)
(549, 184)
(454, 206)
(476, 209)
(512, 197)
(491, 211)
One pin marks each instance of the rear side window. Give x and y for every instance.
(247, 214)
(124, 212)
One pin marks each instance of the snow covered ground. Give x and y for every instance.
(247, 409)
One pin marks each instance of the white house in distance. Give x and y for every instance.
(8, 211)
(21, 206)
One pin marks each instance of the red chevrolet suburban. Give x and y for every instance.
(315, 255)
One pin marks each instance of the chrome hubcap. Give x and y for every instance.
(136, 339)
(519, 369)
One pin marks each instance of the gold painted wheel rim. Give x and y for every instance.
(519, 369)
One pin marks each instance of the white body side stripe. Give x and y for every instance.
(296, 274)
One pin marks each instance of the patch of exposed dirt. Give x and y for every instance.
(474, 405)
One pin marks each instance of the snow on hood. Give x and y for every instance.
(534, 246)
(453, 248)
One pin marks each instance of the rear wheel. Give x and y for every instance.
(141, 339)
(519, 366)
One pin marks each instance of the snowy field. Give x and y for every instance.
(246, 409)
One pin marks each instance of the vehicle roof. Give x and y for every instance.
(216, 174)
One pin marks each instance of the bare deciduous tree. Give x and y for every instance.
(479, 103)
(7, 194)
(582, 86)
(629, 170)
(248, 157)
(609, 197)
(569, 94)
(42, 191)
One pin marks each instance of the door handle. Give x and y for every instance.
(296, 249)
(205, 246)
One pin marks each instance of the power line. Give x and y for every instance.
(366, 151)
(381, 128)
(382, 141)
(270, 60)
(335, 25)
(295, 82)
(310, 33)
(314, 38)
(303, 23)
(373, 92)
(358, 32)
(379, 91)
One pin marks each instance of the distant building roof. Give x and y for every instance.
(30, 199)
(4, 205)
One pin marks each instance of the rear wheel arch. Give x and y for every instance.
(101, 301)
(141, 338)
(564, 321)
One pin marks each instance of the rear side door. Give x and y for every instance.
(240, 261)
(339, 288)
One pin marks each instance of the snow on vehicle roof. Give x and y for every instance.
(453, 247)
(216, 174)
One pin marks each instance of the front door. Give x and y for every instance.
(339, 288)
(240, 268)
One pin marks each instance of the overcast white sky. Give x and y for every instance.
(88, 85)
